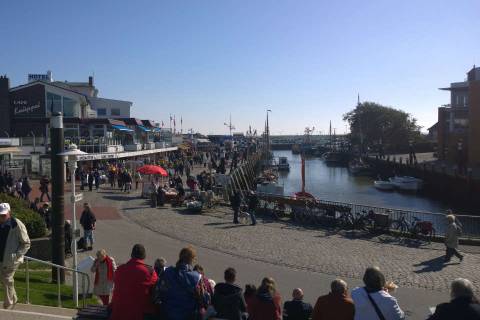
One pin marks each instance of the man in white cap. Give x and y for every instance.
(14, 244)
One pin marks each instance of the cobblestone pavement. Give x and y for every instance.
(346, 254)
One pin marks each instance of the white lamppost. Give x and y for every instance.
(72, 154)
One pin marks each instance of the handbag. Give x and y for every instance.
(377, 309)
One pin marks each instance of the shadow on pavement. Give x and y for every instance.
(125, 197)
(432, 265)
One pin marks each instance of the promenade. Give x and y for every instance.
(295, 256)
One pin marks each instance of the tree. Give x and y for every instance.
(372, 125)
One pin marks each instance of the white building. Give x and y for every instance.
(110, 108)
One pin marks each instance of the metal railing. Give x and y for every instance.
(470, 224)
(59, 299)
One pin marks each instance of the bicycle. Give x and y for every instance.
(415, 227)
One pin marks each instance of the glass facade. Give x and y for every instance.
(69, 107)
(115, 112)
(102, 112)
(54, 103)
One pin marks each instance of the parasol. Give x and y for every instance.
(151, 169)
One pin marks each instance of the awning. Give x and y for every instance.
(144, 129)
(10, 150)
(157, 129)
(122, 128)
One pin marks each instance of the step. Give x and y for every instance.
(36, 312)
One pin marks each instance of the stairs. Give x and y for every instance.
(35, 312)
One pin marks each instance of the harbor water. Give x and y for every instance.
(337, 184)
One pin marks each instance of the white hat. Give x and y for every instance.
(4, 208)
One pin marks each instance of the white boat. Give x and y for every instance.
(383, 185)
(406, 183)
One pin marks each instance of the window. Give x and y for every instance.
(71, 130)
(115, 112)
(69, 107)
(101, 112)
(98, 130)
(54, 103)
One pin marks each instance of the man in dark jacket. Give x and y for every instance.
(228, 298)
(235, 202)
(252, 206)
(87, 220)
(297, 309)
(463, 305)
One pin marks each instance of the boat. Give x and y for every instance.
(359, 168)
(383, 185)
(406, 183)
(283, 164)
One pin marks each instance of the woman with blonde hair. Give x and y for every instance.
(104, 267)
(266, 304)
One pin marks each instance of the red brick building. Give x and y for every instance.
(459, 122)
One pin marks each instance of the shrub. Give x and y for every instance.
(33, 221)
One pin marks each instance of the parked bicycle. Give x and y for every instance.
(413, 227)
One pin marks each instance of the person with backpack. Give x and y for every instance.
(87, 220)
(451, 238)
(178, 290)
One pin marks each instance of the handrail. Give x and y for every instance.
(83, 274)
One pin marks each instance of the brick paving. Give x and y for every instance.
(346, 254)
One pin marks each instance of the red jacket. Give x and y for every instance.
(334, 306)
(265, 307)
(133, 283)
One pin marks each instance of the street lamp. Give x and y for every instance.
(72, 154)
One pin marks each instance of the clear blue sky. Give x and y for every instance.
(204, 60)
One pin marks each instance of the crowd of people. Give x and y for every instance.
(184, 292)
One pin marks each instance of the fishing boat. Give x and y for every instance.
(359, 168)
(406, 183)
(383, 185)
(283, 164)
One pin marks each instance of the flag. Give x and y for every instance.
(162, 123)
(174, 123)
(181, 120)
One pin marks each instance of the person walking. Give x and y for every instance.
(87, 220)
(14, 244)
(451, 238)
(297, 309)
(252, 206)
(104, 268)
(228, 299)
(26, 189)
(464, 305)
(44, 188)
(96, 178)
(90, 180)
(374, 300)
(133, 284)
(336, 304)
(138, 179)
(235, 202)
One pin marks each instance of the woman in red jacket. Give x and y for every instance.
(266, 304)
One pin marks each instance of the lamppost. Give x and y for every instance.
(72, 154)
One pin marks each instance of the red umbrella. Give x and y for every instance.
(151, 169)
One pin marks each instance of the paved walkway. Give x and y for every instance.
(293, 255)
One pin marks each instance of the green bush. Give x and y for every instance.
(20, 209)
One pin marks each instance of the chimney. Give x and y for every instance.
(90, 81)
(5, 104)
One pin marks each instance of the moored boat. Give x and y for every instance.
(383, 185)
(406, 183)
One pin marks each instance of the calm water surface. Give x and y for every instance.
(337, 184)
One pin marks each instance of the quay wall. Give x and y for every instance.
(462, 190)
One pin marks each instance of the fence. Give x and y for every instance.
(318, 209)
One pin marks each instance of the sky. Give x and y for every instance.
(204, 60)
